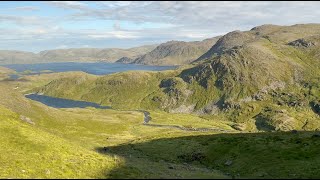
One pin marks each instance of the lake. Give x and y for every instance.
(99, 68)
(63, 103)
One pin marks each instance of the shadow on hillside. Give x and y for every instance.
(242, 155)
(63, 103)
(315, 107)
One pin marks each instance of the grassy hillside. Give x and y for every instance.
(98, 143)
(252, 155)
(4, 72)
(262, 79)
(29, 152)
(65, 139)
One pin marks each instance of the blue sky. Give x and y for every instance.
(36, 26)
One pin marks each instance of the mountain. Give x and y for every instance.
(18, 57)
(176, 52)
(72, 55)
(125, 60)
(266, 78)
(262, 82)
(93, 54)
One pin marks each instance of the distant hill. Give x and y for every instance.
(72, 55)
(18, 57)
(176, 52)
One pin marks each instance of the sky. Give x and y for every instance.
(40, 25)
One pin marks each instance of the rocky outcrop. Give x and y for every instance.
(125, 60)
(302, 43)
(26, 119)
(226, 42)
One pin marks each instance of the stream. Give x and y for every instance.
(67, 103)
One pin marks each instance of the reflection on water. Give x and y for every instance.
(64, 103)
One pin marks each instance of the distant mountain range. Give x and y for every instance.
(169, 53)
(72, 55)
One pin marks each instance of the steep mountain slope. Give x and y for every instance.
(176, 52)
(273, 33)
(264, 79)
(125, 60)
(72, 55)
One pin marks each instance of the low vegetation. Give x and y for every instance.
(248, 108)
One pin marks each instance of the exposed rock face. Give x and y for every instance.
(26, 119)
(210, 108)
(274, 120)
(239, 127)
(183, 109)
(176, 93)
(125, 60)
(302, 43)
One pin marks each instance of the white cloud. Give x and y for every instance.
(171, 20)
(63, 46)
(116, 26)
(26, 8)
(23, 20)
(69, 4)
(203, 14)
(115, 34)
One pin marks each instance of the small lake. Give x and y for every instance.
(99, 68)
(63, 103)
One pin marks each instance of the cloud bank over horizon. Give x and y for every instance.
(36, 26)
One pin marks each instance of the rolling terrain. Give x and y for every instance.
(96, 143)
(65, 139)
(262, 79)
(248, 107)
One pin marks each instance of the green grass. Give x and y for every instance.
(188, 121)
(76, 134)
(69, 142)
(29, 152)
(262, 88)
(253, 155)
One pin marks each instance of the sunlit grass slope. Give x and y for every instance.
(29, 152)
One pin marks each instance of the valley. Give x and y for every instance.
(248, 107)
